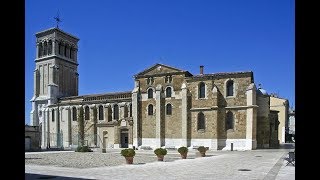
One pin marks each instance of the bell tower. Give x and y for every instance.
(56, 72)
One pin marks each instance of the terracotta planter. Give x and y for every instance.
(184, 156)
(129, 160)
(203, 154)
(160, 157)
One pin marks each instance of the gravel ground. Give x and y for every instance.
(95, 159)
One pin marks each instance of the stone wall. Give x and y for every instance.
(171, 124)
(263, 121)
(274, 122)
(33, 134)
(281, 105)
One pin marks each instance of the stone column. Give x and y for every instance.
(37, 50)
(43, 129)
(116, 137)
(129, 110)
(214, 141)
(158, 116)
(34, 121)
(112, 112)
(50, 74)
(57, 123)
(93, 119)
(52, 93)
(184, 115)
(78, 121)
(47, 130)
(76, 86)
(130, 133)
(106, 112)
(135, 98)
(251, 122)
(121, 110)
(35, 83)
(57, 78)
(53, 50)
(67, 138)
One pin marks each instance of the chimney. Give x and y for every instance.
(201, 70)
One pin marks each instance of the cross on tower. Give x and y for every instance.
(57, 18)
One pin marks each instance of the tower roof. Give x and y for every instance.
(51, 30)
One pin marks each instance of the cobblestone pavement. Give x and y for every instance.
(255, 164)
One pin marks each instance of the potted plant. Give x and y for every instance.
(183, 152)
(128, 153)
(160, 153)
(202, 150)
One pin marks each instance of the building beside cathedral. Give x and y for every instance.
(167, 107)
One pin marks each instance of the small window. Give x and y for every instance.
(71, 53)
(109, 114)
(130, 110)
(201, 121)
(50, 47)
(101, 113)
(40, 50)
(150, 81)
(150, 93)
(150, 109)
(65, 50)
(45, 48)
(60, 48)
(125, 111)
(74, 114)
(229, 121)
(168, 92)
(202, 90)
(52, 114)
(230, 88)
(86, 113)
(116, 112)
(169, 109)
(168, 79)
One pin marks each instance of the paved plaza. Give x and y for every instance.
(256, 164)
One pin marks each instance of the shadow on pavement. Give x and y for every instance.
(29, 176)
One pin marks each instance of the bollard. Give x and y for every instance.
(231, 146)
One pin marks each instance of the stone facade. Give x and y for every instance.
(281, 105)
(168, 107)
(32, 138)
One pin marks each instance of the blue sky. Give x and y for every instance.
(119, 38)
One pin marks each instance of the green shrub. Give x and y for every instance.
(128, 152)
(160, 151)
(83, 149)
(183, 150)
(202, 149)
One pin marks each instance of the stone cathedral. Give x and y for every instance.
(167, 107)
